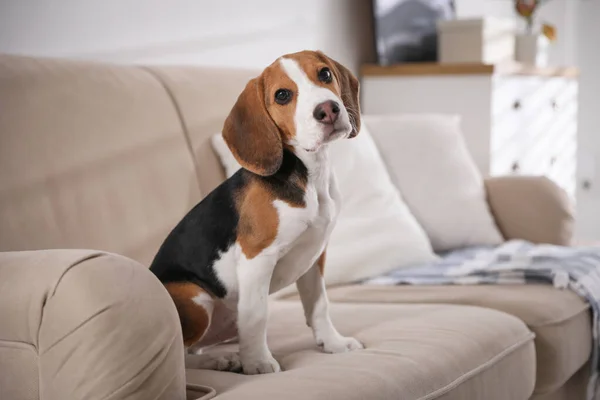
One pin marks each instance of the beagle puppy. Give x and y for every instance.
(266, 226)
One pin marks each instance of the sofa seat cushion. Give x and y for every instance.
(560, 319)
(412, 352)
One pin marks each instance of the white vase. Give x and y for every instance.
(532, 49)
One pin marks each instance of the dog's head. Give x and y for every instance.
(301, 101)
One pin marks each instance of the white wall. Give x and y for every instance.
(588, 60)
(243, 33)
(478, 8)
(563, 15)
(240, 33)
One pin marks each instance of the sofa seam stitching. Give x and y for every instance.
(50, 293)
(557, 321)
(473, 372)
(24, 346)
(18, 344)
(181, 119)
(91, 256)
(585, 307)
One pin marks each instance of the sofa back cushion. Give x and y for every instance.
(204, 97)
(91, 156)
(428, 161)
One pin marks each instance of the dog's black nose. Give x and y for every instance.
(327, 112)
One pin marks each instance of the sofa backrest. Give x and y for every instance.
(97, 156)
(204, 97)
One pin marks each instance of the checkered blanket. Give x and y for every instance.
(517, 262)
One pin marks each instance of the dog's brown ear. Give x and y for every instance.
(350, 88)
(251, 134)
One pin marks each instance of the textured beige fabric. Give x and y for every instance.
(87, 325)
(91, 156)
(199, 392)
(19, 379)
(574, 389)
(560, 319)
(204, 97)
(413, 352)
(96, 156)
(531, 208)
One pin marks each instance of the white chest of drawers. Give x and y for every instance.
(516, 120)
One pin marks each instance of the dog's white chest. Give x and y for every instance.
(318, 212)
(304, 232)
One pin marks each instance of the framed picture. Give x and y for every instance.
(406, 31)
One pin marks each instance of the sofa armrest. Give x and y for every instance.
(531, 208)
(78, 324)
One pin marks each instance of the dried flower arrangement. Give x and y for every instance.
(527, 10)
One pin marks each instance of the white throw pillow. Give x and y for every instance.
(428, 161)
(375, 231)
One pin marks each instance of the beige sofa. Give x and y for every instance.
(109, 158)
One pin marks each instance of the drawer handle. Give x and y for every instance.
(517, 105)
(554, 105)
(552, 160)
(515, 167)
(586, 184)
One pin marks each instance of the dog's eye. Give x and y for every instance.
(283, 96)
(325, 75)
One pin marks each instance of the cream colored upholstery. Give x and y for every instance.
(555, 316)
(110, 158)
(204, 97)
(412, 352)
(80, 324)
(91, 156)
(531, 208)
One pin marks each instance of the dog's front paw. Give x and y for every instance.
(341, 344)
(220, 362)
(263, 365)
(228, 362)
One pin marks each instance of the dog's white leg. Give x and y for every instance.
(311, 287)
(254, 278)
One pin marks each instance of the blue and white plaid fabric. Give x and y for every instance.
(517, 262)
